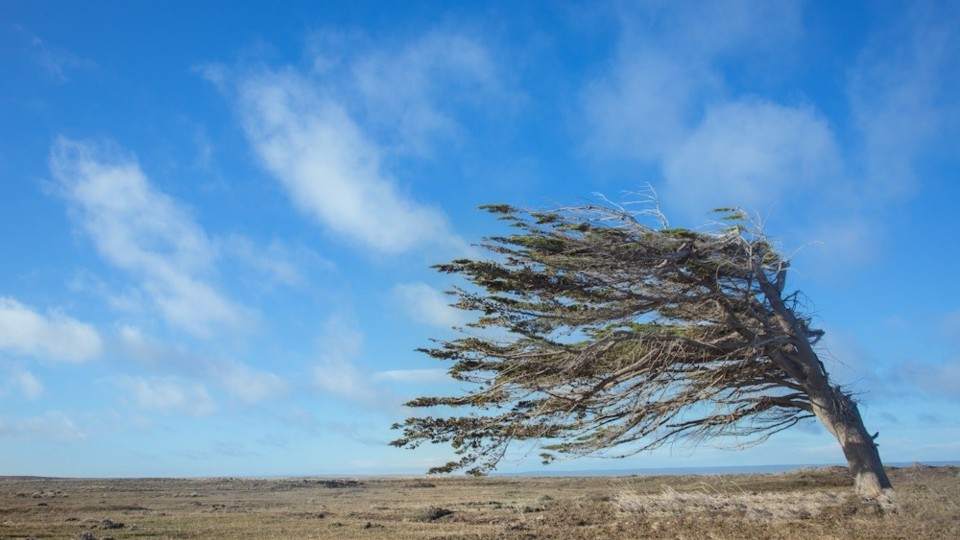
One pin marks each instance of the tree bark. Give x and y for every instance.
(840, 415)
(835, 409)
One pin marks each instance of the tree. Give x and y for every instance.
(617, 332)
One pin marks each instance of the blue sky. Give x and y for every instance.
(217, 220)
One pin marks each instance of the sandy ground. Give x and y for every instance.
(807, 504)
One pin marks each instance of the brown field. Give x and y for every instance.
(808, 504)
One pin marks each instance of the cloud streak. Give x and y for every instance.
(666, 100)
(331, 135)
(243, 382)
(407, 93)
(751, 152)
(53, 336)
(413, 376)
(146, 233)
(903, 96)
(167, 394)
(427, 305)
(52, 425)
(337, 372)
(665, 66)
(330, 168)
(22, 382)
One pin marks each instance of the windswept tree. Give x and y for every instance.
(603, 329)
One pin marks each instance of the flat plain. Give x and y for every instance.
(814, 503)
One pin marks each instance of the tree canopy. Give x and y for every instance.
(605, 329)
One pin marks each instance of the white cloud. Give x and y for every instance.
(665, 101)
(276, 260)
(751, 153)
(849, 363)
(143, 231)
(903, 96)
(20, 381)
(714, 29)
(330, 168)
(53, 336)
(130, 301)
(340, 377)
(875, 382)
(951, 325)
(240, 380)
(56, 62)
(314, 425)
(642, 108)
(51, 425)
(834, 243)
(337, 372)
(405, 91)
(167, 394)
(26, 383)
(414, 376)
(329, 135)
(941, 380)
(428, 305)
(644, 105)
(247, 384)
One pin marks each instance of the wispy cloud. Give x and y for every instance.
(330, 168)
(53, 425)
(903, 96)
(665, 101)
(328, 133)
(407, 92)
(751, 152)
(312, 424)
(22, 382)
(243, 382)
(665, 66)
(336, 372)
(875, 381)
(277, 261)
(339, 373)
(167, 394)
(650, 105)
(53, 336)
(56, 62)
(849, 363)
(146, 233)
(950, 324)
(937, 380)
(248, 384)
(428, 305)
(414, 376)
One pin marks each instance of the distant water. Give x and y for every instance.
(707, 471)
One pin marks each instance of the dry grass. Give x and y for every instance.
(708, 502)
(808, 504)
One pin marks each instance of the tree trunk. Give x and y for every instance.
(839, 413)
(835, 409)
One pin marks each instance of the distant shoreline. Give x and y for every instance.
(711, 470)
(723, 470)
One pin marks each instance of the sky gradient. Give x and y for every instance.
(218, 220)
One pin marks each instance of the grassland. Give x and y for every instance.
(806, 504)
